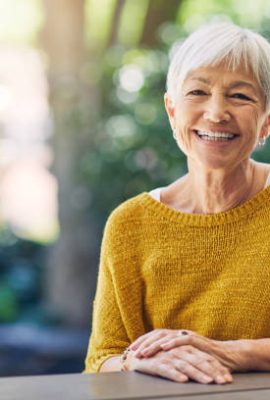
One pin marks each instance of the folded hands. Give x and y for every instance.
(183, 355)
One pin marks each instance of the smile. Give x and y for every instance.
(215, 136)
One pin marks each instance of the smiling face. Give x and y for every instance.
(218, 116)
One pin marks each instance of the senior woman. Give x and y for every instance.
(184, 280)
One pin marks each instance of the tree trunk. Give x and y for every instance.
(115, 22)
(159, 11)
(72, 262)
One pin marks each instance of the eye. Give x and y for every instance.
(197, 92)
(241, 96)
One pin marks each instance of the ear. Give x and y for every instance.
(265, 130)
(170, 108)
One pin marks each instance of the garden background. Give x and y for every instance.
(82, 128)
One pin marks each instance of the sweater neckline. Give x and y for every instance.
(260, 201)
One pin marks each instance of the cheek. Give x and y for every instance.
(183, 128)
(250, 122)
(187, 116)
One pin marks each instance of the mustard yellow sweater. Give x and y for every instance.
(161, 268)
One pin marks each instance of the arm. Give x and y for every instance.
(237, 355)
(256, 354)
(112, 364)
(108, 338)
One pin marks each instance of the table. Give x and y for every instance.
(130, 385)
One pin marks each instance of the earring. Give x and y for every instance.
(174, 134)
(261, 141)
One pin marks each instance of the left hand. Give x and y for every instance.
(180, 364)
(228, 353)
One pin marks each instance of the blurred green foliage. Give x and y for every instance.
(133, 148)
(20, 277)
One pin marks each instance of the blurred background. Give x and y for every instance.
(82, 128)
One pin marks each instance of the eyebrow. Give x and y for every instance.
(201, 79)
(233, 85)
(236, 84)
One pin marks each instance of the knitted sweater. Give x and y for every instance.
(161, 268)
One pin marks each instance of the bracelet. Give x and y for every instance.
(124, 358)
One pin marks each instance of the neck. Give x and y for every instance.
(213, 191)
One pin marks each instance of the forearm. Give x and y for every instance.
(256, 354)
(112, 364)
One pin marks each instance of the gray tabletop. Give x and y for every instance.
(130, 385)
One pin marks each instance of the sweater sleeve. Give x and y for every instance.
(109, 337)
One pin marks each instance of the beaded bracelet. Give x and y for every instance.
(124, 358)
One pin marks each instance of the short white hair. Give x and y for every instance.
(218, 43)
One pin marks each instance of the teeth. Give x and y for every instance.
(215, 135)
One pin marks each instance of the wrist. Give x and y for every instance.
(257, 354)
(241, 352)
(128, 360)
(124, 360)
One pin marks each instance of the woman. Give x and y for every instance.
(184, 277)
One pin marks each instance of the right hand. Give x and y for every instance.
(180, 365)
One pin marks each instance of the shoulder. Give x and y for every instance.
(128, 209)
(125, 228)
(126, 216)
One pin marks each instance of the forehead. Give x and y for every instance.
(222, 76)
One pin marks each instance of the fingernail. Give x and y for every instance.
(184, 379)
(207, 379)
(220, 379)
(228, 378)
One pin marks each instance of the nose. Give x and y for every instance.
(217, 111)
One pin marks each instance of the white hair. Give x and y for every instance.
(219, 43)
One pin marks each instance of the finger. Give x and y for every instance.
(218, 374)
(182, 340)
(170, 372)
(140, 352)
(222, 371)
(164, 370)
(174, 342)
(157, 333)
(208, 365)
(140, 340)
(192, 372)
(200, 342)
(149, 341)
(152, 348)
